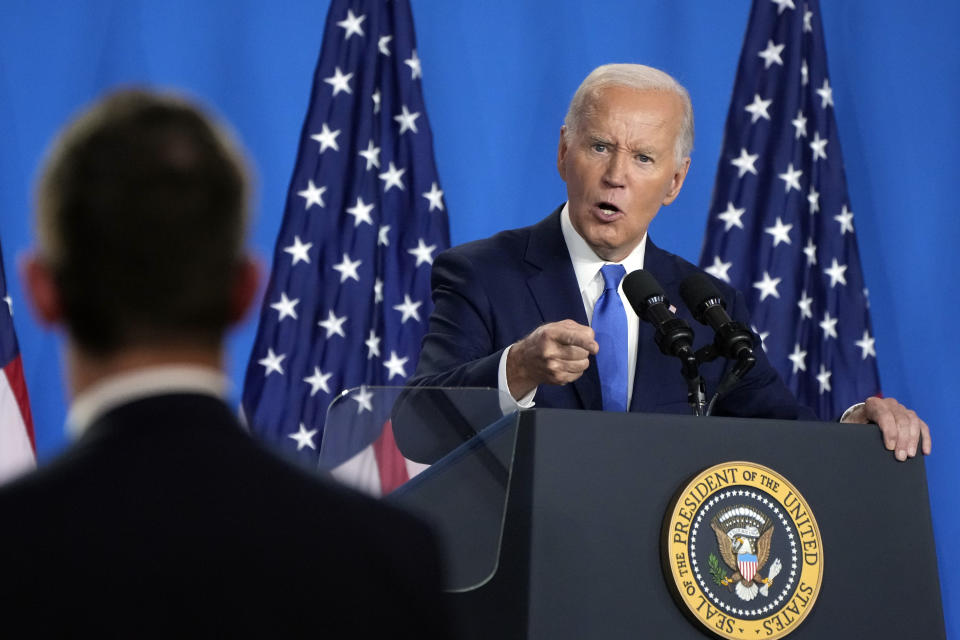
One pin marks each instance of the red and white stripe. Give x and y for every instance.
(379, 468)
(17, 445)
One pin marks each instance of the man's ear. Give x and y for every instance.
(678, 177)
(562, 154)
(41, 288)
(245, 282)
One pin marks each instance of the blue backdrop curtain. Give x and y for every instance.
(497, 78)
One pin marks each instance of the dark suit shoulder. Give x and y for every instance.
(510, 242)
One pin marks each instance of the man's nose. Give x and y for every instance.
(615, 173)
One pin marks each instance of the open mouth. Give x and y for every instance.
(608, 208)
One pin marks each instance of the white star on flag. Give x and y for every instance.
(731, 217)
(824, 379)
(304, 437)
(407, 120)
(313, 195)
(372, 155)
(435, 197)
(800, 124)
(826, 94)
(819, 146)
(745, 163)
(318, 380)
(783, 4)
(758, 108)
(392, 178)
(375, 96)
(361, 213)
(798, 358)
(348, 268)
(780, 232)
(409, 309)
(423, 253)
(298, 251)
(339, 81)
(763, 335)
(767, 286)
(414, 63)
(719, 269)
(845, 219)
(866, 345)
(791, 178)
(285, 307)
(814, 199)
(351, 25)
(382, 44)
(836, 273)
(327, 138)
(377, 291)
(395, 365)
(805, 303)
(811, 252)
(829, 326)
(272, 362)
(334, 325)
(363, 398)
(382, 239)
(373, 345)
(771, 54)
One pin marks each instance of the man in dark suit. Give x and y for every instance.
(165, 517)
(516, 311)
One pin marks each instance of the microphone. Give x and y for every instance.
(732, 340)
(673, 336)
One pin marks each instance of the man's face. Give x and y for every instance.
(621, 166)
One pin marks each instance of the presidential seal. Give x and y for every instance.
(742, 552)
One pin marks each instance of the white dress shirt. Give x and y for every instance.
(586, 266)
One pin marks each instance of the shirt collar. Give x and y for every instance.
(586, 263)
(123, 388)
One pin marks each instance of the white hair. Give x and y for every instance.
(634, 76)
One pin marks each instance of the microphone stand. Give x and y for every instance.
(696, 394)
(745, 361)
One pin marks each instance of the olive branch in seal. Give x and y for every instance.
(716, 571)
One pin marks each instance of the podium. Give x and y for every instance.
(576, 546)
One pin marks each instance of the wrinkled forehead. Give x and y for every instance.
(630, 109)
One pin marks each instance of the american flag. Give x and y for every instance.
(17, 445)
(349, 294)
(780, 226)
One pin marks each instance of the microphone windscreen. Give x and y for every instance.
(696, 289)
(639, 286)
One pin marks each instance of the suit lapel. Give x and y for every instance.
(549, 259)
(652, 366)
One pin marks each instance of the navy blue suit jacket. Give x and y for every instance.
(490, 293)
(166, 519)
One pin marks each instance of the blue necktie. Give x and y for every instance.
(610, 329)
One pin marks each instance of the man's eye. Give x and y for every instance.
(643, 158)
(599, 147)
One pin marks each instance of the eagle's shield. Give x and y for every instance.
(747, 563)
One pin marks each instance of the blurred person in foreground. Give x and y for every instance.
(164, 516)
